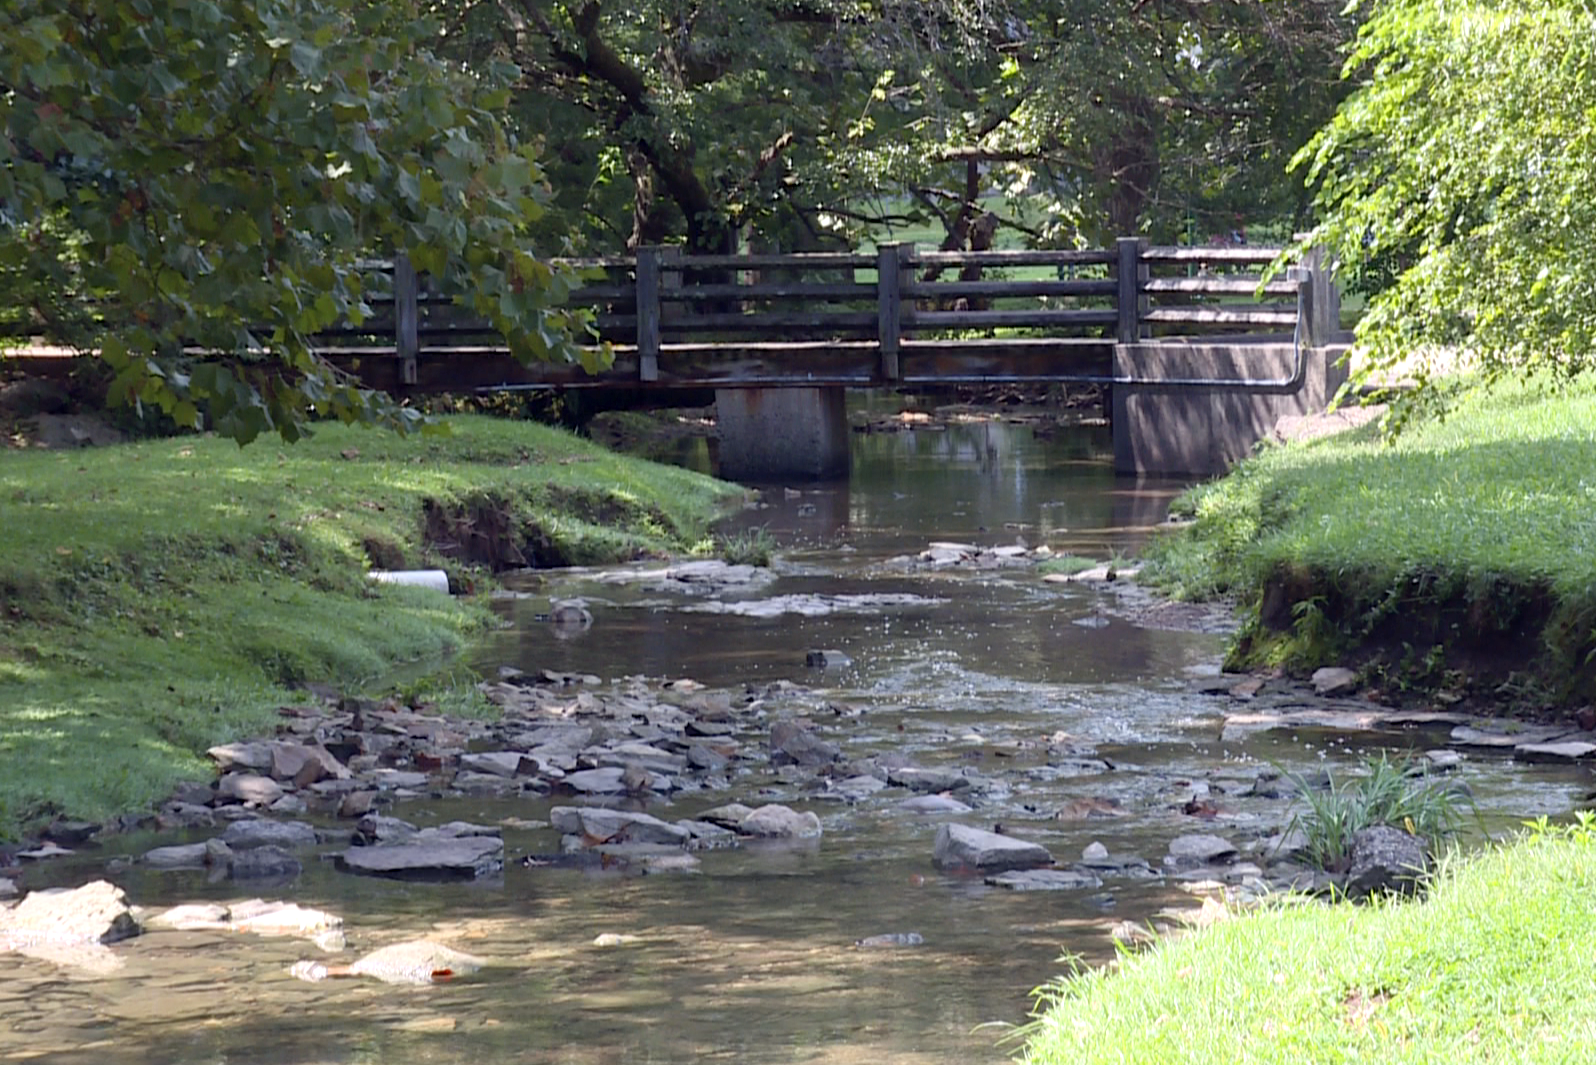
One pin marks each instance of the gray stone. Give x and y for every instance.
(934, 804)
(230, 756)
(1198, 849)
(1567, 751)
(259, 863)
(1386, 859)
(854, 789)
(184, 816)
(497, 763)
(600, 824)
(701, 757)
(399, 779)
(189, 917)
(464, 858)
(304, 764)
(1094, 852)
(1044, 880)
(827, 660)
(774, 821)
(1285, 845)
(928, 779)
(249, 788)
(960, 846)
(243, 835)
(378, 829)
(97, 912)
(728, 816)
(703, 835)
(8, 888)
(289, 805)
(710, 728)
(179, 856)
(1334, 680)
(792, 743)
(471, 783)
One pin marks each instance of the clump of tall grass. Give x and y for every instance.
(749, 547)
(1386, 793)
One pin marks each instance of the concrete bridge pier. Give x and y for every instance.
(782, 434)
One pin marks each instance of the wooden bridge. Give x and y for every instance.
(899, 316)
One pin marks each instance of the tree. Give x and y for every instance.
(1464, 170)
(212, 177)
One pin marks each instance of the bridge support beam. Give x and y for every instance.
(782, 434)
(1165, 427)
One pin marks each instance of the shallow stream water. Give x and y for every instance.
(753, 958)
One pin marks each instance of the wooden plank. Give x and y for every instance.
(777, 290)
(1040, 318)
(764, 321)
(1223, 316)
(1228, 253)
(889, 306)
(1219, 286)
(1040, 257)
(955, 289)
(606, 293)
(648, 313)
(796, 261)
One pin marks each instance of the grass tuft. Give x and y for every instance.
(1385, 793)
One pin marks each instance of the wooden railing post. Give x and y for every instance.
(889, 305)
(406, 317)
(1131, 295)
(648, 312)
(1321, 315)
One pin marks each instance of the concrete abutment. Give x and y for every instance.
(782, 434)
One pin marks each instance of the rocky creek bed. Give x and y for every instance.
(959, 771)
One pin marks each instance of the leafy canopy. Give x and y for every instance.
(1463, 170)
(213, 176)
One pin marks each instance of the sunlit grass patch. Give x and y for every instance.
(157, 597)
(1495, 964)
(1491, 513)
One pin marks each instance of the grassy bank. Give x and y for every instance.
(1461, 557)
(1495, 965)
(156, 598)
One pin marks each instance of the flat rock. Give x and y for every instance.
(1567, 751)
(854, 789)
(1509, 735)
(934, 804)
(177, 856)
(191, 916)
(264, 862)
(462, 858)
(497, 763)
(728, 816)
(230, 756)
(242, 835)
(249, 788)
(928, 779)
(600, 824)
(795, 744)
(1198, 849)
(97, 912)
(1334, 680)
(774, 821)
(399, 779)
(1044, 880)
(960, 846)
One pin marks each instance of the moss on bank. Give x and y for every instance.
(1495, 965)
(1463, 556)
(157, 598)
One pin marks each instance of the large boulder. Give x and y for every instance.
(97, 912)
(1198, 849)
(962, 847)
(1386, 859)
(418, 961)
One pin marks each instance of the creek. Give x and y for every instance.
(753, 957)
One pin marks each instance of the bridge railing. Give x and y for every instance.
(882, 306)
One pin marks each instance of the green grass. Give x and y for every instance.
(1495, 965)
(156, 598)
(1383, 794)
(1491, 511)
